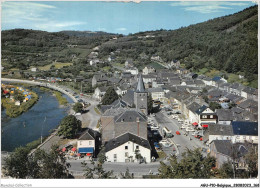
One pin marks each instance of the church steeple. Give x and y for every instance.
(140, 86)
(140, 96)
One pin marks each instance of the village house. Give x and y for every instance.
(99, 79)
(148, 69)
(157, 93)
(99, 93)
(89, 142)
(250, 93)
(129, 63)
(237, 132)
(225, 116)
(225, 151)
(132, 70)
(125, 148)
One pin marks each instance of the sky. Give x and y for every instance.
(113, 17)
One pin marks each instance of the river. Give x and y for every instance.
(43, 117)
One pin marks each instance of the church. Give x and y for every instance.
(124, 126)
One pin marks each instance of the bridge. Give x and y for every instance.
(48, 85)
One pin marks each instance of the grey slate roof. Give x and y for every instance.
(224, 114)
(130, 115)
(120, 140)
(158, 89)
(245, 128)
(114, 111)
(140, 86)
(118, 103)
(129, 97)
(104, 108)
(89, 134)
(224, 147)
(250, 90)
(217, 129)
(193, 107)
(247, 103)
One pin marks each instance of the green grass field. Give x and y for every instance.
(57, 65)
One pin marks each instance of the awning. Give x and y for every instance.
(205, 125)
(195, 123)
(63, 149)
(86, 150)
(73, 149)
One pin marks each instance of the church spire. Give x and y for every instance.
(140, 86)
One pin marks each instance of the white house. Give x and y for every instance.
(125, 148)
(86, 143)
(99, 92)
(34, 69)
(148, 69)
(133, 70)
(157, 93)
(237, 132)
(121, 90)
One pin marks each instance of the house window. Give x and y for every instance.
(115, 156)
(126, 147)
(137, 147)
(126, 154)
(211, 116)
(204, 116)
(90, 142)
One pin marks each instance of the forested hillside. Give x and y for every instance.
(22, 48)
(227, 43)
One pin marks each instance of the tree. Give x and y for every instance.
(51, 165)
(150, 104)
(226, 170)
(231, 105)
(20, 164)
(192, 165)
(213, 106)
(251, 159)
(17, 164)
(97, 171)
(127, 174)
(109, 97)
(69, 126)
(78, 107)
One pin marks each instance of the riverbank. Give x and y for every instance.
(13, 110)
(62, 100)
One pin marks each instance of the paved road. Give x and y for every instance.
(182, 140)
(136, 168)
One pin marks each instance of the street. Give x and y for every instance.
(180, 140)
(136, 168)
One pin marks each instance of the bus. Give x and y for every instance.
(167, 133)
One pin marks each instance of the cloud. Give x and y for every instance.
(54, 25)
(206, 7)
(34, 16)
(17, 12)
(121, 29)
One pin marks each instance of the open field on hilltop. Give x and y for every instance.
(57, 65)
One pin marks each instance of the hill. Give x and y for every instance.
(22, 48)
(227, 44)
(86, 33)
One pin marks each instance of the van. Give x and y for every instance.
(167, 133)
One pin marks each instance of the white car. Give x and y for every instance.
(184, 127)
(194, 133)
(77, 114)
(190, 129)
(165, 143)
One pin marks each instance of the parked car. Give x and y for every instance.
(165, 143)
(190, 129)
(77, 114)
